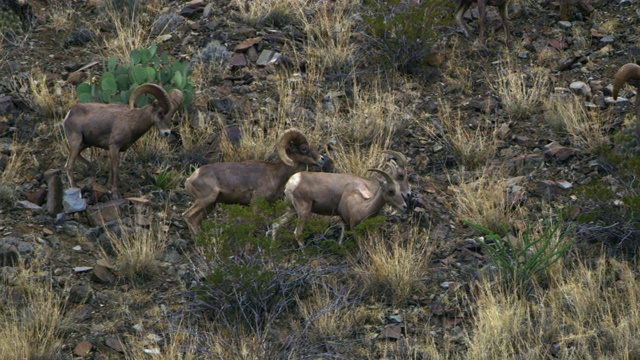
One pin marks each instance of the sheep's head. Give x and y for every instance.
(391, 191)
(164, 106)
(293, 149)
(397, 166)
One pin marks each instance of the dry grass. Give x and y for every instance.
(326, 313)
(473, 147)
(270, 12)
(52, 103)
(589, 312)
(30, 325)
(59, 17)
(485, 200)
(393, 267)
(329, 35)
(131, 33)
(19, 160)
(522, 93)
(136, 250)
(567, 113)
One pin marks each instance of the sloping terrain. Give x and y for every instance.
(503, 137)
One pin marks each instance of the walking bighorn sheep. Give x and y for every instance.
(629, 73)
(240, 182)
(351, 197)
(115, 127)
(502, 6)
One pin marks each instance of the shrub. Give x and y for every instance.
(403, 33)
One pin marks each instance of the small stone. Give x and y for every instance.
(565, 24)
(81, 269)
(80, 293)
(565, 185)
(82, 348)
(114, 343)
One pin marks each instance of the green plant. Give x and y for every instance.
(522, 260)
(119, 80)
(167, 179)
(403, 32)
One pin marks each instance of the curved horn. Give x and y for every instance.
(157, 91)
(625, 73)
(291, 135)
(401, 160)
(386, 176)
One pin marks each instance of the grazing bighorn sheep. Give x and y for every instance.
(397, 168)
(351, 197)
(629, 73)
(482, 10)
(240, 182)
(115, 127)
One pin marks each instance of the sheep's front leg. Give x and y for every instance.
(482, 13)
(502, 10)
(462, 8)
(114, 155)
(303, 209)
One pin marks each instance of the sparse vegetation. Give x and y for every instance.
(357, 79)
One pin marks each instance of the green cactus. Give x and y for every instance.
(145, 66)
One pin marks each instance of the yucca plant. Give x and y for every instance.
(522, 260)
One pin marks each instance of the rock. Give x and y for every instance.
(72, 201)
(37, 197)
(29, 205)
(103, 213)
(77, 77)
(581, 88)
(83, 348)
(113, 342)
(565, 24)
(79, 37)
(54, 193)
(166, 23)
(392, 332)
(82, 313)
(239, 60)
(102, 274)
(6, 105)
(9, 254)
(80, 293)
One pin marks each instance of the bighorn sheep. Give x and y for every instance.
(397, 168)
(351, 197)
(482, 10)
(115, 127)
(629, 73)
(240, 182)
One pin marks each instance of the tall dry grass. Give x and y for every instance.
(32, 321)
(484, 200)
(521, 93)
(567, 113)
(473, 147)
(393, 267)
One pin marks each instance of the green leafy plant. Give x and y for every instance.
(145, 66)
(521, 261)
(167, 179)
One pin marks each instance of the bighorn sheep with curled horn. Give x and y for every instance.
(502, 6)
(396, 167)
(240, 182)
(629, 73)
(116, 126)
(351, 197)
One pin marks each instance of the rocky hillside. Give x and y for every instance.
(238, 67)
